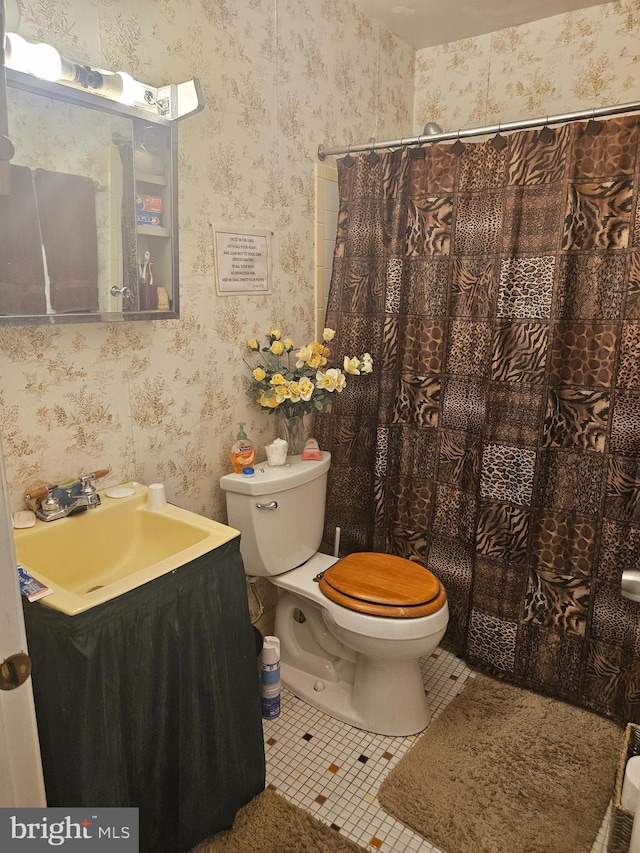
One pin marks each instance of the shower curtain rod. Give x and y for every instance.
(523, 124)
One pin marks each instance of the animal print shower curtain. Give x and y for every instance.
(498, 440)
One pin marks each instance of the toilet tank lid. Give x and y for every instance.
(268, 480)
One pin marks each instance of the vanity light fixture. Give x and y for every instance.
(44, 61)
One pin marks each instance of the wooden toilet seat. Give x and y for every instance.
(383, 585)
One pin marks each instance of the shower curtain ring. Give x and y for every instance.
(593, 127)
(498, 140)
(372, 157)
(458, 146)
(348, 160)
(546, 134)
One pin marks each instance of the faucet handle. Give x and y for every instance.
(37, 492)
(42, 499)
(86, 480)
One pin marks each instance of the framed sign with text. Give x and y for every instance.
(242, 260)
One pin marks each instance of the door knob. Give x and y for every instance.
(14, 671)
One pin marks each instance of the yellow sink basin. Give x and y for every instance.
(93, 556)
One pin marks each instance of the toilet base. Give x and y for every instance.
(382, 696)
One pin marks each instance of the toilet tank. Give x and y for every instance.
(279, 513)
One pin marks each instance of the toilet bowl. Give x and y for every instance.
(352, 630)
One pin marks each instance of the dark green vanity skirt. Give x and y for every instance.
(153, 700)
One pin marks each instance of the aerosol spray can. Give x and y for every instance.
(270, 678)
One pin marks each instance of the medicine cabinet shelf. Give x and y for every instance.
(147, 178)
(153, 231)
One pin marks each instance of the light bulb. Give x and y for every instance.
(132, 91)
(46, 62)
(17, 52)
(41, 60)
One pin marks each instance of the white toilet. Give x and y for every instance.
(351, 631)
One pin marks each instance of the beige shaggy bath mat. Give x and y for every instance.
(504, 770)
(269, 824)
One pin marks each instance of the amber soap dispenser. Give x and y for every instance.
(243, 452)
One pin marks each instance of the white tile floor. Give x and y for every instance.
(334, 771)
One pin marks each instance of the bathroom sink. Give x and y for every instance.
(96, 555)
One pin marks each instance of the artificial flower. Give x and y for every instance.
(296, 383)
(332, 379)
(351, 365)
(367, 363)
(302, 356)
(269, 401)
(306, 388)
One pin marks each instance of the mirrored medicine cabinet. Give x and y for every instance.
(89, 232)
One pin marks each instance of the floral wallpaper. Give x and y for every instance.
(160, 401)
(574, 61)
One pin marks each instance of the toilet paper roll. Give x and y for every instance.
(631, 784)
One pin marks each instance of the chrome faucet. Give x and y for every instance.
(54, 502)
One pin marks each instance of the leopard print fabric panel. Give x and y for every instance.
(625, 432)
(526, 287)
(507, 474)
(479, 223)
(492, 641)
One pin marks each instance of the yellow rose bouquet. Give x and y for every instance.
(296, 383)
